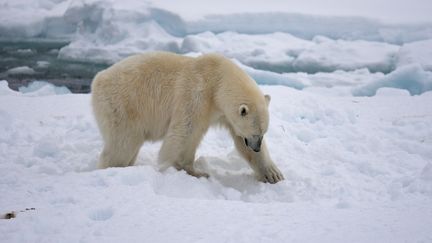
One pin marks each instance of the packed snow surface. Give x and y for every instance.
(350, 125)
(357, 169)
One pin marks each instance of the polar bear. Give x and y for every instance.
(160, 95)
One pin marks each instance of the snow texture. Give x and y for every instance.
(357, 169)
(350, 125)
(419, 52)
(410, 77)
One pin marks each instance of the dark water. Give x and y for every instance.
(41, 56)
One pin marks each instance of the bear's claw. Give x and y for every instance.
(271, 175)
(197, 174)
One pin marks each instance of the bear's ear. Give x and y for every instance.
(267, 98)
(243, 110)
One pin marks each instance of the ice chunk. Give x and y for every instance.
(391, 92)
(416, 52)
(410, 77)
(41, 88)
(330, 55)
(282, 52)
(42, 64)
(21, 70)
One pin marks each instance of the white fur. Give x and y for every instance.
(160, 95)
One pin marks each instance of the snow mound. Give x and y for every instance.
(410, 77)
(33, 89)
(391, 92)
(5, 90)
(21, 70)
(42, 88)
(275, 52)
(271, 78)
(416, 52)
(281, 52)
(330, 55)
(43, 18)
(108, 33)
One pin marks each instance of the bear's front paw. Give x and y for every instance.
(271, 175)
(198, 174)
(190, 170)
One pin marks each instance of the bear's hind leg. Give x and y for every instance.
(119, 152)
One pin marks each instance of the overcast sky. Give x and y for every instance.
(398, 11)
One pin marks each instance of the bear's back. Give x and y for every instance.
(140, 88)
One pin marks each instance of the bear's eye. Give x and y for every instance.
(243, 110)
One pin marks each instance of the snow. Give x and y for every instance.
(42, 64)
(330, 55)
(281, 42)
(283, 52)
(351, 87)
(410, 77)
(419, 52)
(21, 70)
(40, 88)
(357, 169)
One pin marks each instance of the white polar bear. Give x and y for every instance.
(160, 95)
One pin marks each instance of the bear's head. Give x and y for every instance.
(250, 120)
(240, 100)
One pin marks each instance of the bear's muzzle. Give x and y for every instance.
(254, 142)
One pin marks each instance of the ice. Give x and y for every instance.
(62, 18)
(36, 19)
(21, 70)
(42, 64)
(269, 39)
(330, 55)
(385, 91)
(271, 78)
(280, 52)
(397, 11)
(41, 88)
(416, 52)
(275, 52)
(308, 26)
(410, 77)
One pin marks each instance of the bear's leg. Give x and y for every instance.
(260, 162)
(134, 158)
(179, 150)
(120, 151)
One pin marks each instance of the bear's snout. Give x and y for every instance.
(254, 142)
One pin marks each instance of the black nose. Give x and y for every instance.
(254, 142)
